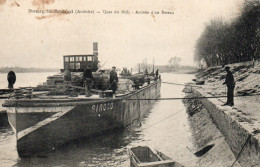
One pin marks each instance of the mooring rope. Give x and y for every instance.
(134, 121)
(172, 83)
(181, 98)
(164, 118)
(110, 85)
(242, 149)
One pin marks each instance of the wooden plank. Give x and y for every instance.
(147, 164)
(134, 156)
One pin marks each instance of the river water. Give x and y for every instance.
(166, 128)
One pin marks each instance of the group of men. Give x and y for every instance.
(88, 79)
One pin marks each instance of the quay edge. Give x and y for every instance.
(235, 132)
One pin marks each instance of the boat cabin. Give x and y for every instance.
(78, 63)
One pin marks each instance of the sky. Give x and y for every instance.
(41, 40)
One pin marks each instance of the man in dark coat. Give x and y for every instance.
(113, 79)
(230, 86)
(88, 80)
(157, 72)
(146, 72)
(87, 74)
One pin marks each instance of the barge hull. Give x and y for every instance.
(45, 128)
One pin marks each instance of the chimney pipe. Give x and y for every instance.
(95, 48)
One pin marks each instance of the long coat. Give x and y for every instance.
(113, 80)
(230, 80)
(113, 76)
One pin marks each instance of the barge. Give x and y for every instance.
(44, 121)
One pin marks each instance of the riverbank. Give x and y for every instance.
(240, 124)
(209, 143)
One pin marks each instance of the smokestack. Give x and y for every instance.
(95, 48)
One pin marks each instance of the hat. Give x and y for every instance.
(114, 67)
(227, 68)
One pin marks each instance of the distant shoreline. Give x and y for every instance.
(182, 72)
(177, 70)
(29, 72)
(26, 70)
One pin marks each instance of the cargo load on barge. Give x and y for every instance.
(49, 115)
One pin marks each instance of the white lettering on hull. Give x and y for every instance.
(102, 107)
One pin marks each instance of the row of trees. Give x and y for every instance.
(237, 41)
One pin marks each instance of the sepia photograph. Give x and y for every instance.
(130, 83)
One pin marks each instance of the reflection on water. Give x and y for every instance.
(165, 128)
(107, 150)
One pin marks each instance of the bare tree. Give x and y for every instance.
(174, 62)
(223, 43)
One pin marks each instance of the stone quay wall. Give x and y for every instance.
(235, 131)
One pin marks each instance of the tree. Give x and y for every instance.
(224, 43)
(174, 62)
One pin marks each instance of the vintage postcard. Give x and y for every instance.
(129, 83)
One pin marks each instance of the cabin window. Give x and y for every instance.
(67, 59)
(71, 58)
(71, 65)
(80, 58)
(84, 58)
(90, 58)
(76, 58)
(77, 65)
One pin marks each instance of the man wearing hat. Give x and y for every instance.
(113, 79)
(88, 80)
(230, 87)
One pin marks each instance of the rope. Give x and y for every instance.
(110, 85)
(127, 123)
(180, 84)
(242, 149)
(181, 98)
(165, 118)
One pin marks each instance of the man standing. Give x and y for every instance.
(146, 72)
(113, 79)
(87, 73)
(157, 74)
(88, 80)
(230, 87)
